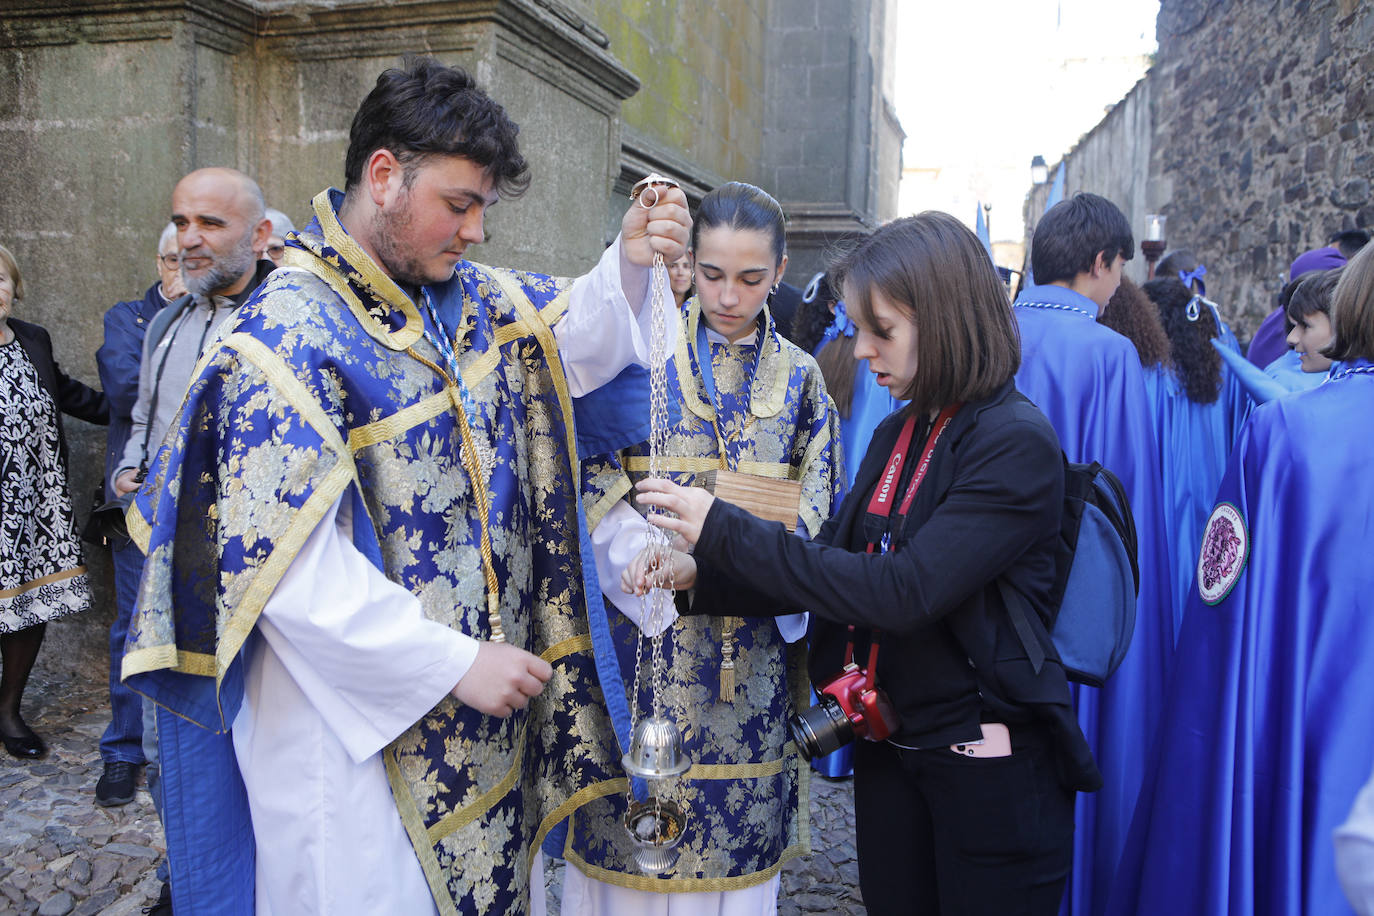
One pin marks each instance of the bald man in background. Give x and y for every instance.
(220, 222)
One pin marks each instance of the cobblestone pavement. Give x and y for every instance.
(62, 855)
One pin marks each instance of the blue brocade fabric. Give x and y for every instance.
(747, 795)
(1088, 381)
(1266, 735)
(326, 385)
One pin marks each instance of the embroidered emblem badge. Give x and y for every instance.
(1225, 548)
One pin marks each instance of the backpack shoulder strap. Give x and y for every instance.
(1020, 611)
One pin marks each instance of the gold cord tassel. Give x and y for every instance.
(728, 626)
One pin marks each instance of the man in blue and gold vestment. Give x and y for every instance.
(363, 613)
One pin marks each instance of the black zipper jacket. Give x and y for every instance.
(989, 507)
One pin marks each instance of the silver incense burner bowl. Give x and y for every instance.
(655, 826)
(655, 750)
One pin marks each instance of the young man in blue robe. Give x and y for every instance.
(1088, 381)
(1265, 739)
(363, 611)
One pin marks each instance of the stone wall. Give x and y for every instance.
(832, 143)
(1112, 160)
(791, 95)
(1260, 120)
(1263, 126)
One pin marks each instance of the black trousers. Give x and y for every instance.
(940, 833)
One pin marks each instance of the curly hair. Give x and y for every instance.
(1133, 316)
(836, 359)
(1196, 363)
(424, 108)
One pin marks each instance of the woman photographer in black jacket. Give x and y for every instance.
(967, 805)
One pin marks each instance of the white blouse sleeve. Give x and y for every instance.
(600, 335)
(616, 541)
(1355, 852)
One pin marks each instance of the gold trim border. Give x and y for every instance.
(400, 422)
(415, 830)
(597, 512)
(41, 581)
(543, 333)
(461, 817)
(155, 658)
(140, 532)
(680, 885)
(689, 464)
(385, 288)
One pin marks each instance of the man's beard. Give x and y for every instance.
(224, 271)
(401, 265)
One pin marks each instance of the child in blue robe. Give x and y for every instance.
(1199, 407)
(750, 401)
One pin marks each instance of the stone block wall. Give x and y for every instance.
(1263, 124)
(791, 95)
(1252, 132)
(702, 66)
(832, 142)
(1112, 160)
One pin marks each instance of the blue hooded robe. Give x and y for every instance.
(1194, 442)
(1088, 381)
(1266, 735)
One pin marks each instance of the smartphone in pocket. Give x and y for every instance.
(996, 743)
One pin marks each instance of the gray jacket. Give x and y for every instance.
(187, 329)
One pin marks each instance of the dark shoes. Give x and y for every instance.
(27, 746)
(116, 785)
(163, 906)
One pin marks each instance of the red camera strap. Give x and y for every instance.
(883, 495)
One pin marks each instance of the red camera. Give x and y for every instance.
(851, 705)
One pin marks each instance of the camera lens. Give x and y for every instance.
(821, 729)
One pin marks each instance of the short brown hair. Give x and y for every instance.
(12, 268)
(934, 269)
(1352, 309)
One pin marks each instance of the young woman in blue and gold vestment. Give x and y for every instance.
(750, 401)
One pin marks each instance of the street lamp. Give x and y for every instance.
(1040, 172)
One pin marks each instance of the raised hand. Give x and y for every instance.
(690, 504)
(664, 227)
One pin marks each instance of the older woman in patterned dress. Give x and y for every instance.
(41, 571)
